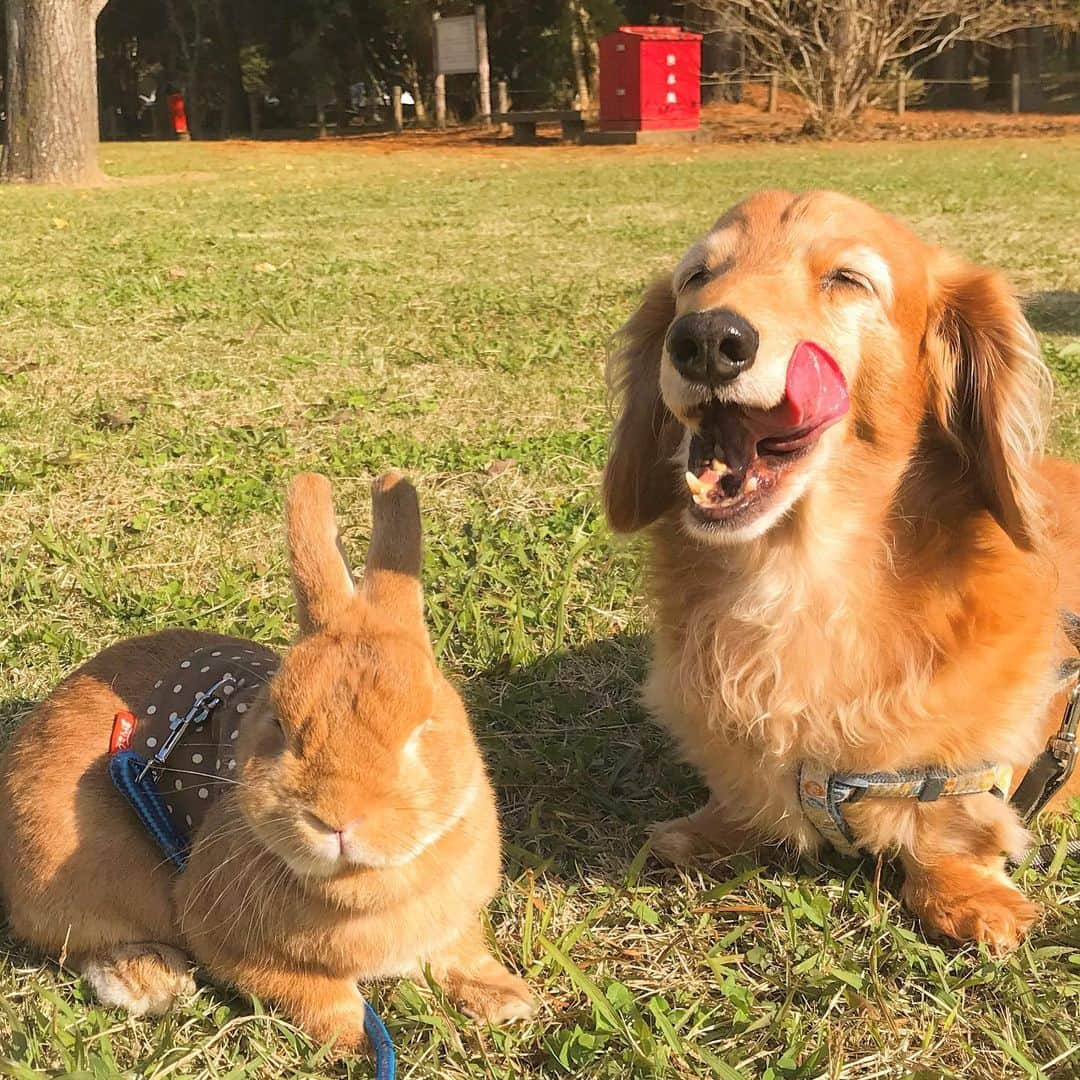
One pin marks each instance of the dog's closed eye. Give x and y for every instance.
(696, 279)
(844, 277)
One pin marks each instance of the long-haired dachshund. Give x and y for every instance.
(859, 558)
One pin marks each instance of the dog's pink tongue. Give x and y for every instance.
(815, 394)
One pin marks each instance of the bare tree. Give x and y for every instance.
(52, 125)
(834, 51)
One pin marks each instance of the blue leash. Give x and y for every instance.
(385, 1058)
(125, 769)
(135, 782)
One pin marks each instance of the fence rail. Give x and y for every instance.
(903, 86)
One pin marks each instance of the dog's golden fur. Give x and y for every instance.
(902, 608)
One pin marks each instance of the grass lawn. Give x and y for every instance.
(175, 345)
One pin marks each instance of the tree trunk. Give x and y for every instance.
(254, 118)
(412, 80)
(344, 101)
(577, 55)
(999, 69)
(952, 65)
(1028, 49)
(722, 59)
(52, 132)
(236, 105)
(191, 57)
(591, 50)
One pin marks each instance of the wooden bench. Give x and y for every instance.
(524, 123)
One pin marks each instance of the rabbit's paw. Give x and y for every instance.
(496, 996)
(144, 978)
(342, 1026)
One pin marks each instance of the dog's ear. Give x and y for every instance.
(989, 389)
(638, 480)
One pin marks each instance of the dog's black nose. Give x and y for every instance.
(711, 347)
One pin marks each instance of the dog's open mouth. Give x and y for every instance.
(738, 454)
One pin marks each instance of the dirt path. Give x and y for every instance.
(745, 122)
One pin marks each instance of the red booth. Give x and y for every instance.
(650, 79)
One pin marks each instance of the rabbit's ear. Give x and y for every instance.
(322, 582)
(392, 571)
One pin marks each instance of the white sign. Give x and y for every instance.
(456, 52)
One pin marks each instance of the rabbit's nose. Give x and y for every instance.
(321, 825)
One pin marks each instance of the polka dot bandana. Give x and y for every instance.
(204, 761)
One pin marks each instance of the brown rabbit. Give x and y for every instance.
(355, 836)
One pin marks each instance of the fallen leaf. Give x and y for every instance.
(176, 273)
(264, 268)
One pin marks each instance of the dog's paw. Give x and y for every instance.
(678, 842)
(991, 911)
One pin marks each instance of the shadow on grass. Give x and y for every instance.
(580, 769)
(1056, 311)
(12, 712)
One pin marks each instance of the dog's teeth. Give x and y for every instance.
(701, 500)
(719, 466)
(751, 483)
(696, 486)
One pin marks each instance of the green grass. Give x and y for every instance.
(174, 346)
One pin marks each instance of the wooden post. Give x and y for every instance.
(320, 116)
(440, 79)
(483, 68)
(901, 93)
(399, 115)
(502, 98)
(1015, 92)
(774, 92)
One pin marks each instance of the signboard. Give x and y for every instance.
(456, 51)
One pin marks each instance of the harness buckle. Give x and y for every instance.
(197, 714)
(1064, 746)
(1053, 767)
(932, 788)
